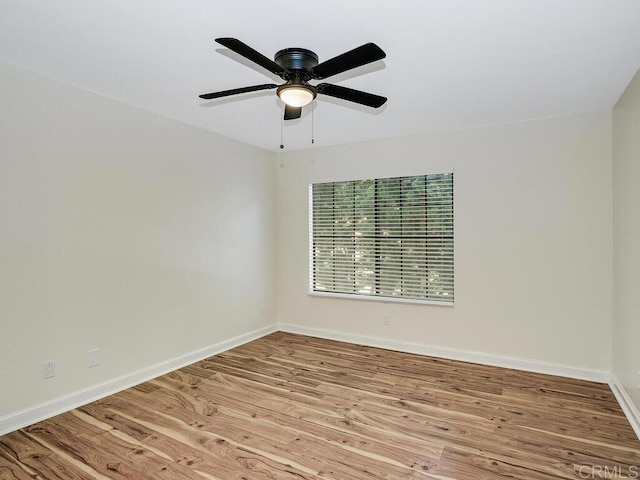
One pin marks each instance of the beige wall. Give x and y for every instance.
(125, 231)
(626, 201)
(147, 238)
(533, 216)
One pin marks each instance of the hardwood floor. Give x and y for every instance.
(294, 407)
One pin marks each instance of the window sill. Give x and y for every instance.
(370, 298)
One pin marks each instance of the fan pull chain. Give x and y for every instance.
(281, 132)
(313, 128)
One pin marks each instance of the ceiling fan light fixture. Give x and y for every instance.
(296, 95)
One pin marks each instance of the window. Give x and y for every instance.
(386, 237)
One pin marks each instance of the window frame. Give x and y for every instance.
(365, 297)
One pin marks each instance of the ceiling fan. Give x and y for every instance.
(296, 66)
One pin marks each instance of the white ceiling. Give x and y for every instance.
(450, 64)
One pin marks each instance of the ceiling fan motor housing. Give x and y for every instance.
(297, 62)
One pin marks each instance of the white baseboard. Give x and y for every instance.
(36, 413)
(626, 404)
(454, 354)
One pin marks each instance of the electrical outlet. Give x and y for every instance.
(94, 357)
(386, 319)
(49, 369)
(638, 384)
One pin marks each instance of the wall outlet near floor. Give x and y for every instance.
(386, 320)
(638, 381)
(49, 369)
(94, 357)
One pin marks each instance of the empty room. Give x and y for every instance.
(350, 240)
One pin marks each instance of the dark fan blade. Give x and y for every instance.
(351, 95)
(247, 52)
(367, 53)
(291, 113)
(236, 91)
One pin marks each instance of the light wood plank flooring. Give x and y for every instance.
(294, 407)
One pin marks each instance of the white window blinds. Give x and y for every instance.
(386, 237)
